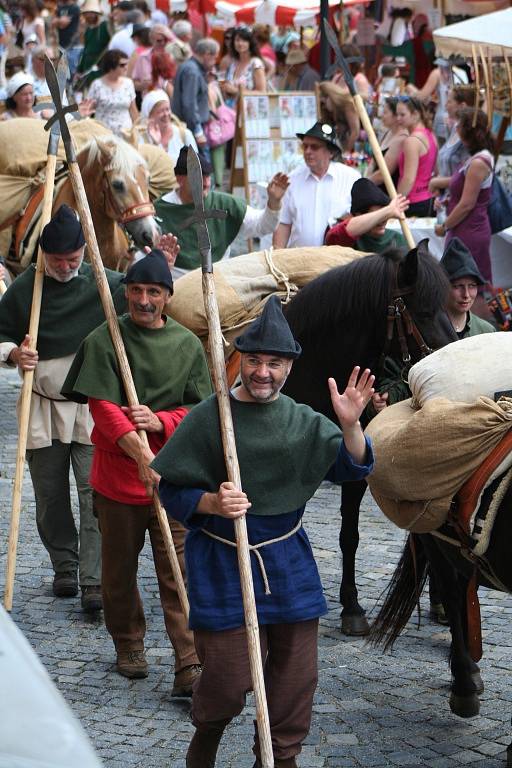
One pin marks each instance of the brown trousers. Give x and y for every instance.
(290, 657)
(123, 531)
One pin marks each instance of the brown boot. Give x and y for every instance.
(132, 664)
(184, 680)
(202, 750)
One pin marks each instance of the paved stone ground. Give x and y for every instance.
(371, 710)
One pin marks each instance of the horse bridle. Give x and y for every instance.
(132, 212)
(399, 318)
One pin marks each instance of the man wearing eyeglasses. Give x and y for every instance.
(465, 279)
(319, 191)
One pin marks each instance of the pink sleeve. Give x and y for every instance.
(109, 419)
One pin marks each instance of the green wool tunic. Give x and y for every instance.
(69, 311)
(390, 239)
(222, 231)
(168, 366)
(284, 450)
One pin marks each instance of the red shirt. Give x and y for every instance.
(338, 234)
(113, 473)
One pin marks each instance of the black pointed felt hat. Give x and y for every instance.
(458, 262)
(63, 233)
(153, 268)
(270, 333)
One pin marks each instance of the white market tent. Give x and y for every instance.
(492, 31)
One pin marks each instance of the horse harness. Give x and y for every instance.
(132, 212)
(399, 318)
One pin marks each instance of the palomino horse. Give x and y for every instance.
(340, 321)
(116, 178)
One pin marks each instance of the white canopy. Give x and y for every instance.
(492, 31)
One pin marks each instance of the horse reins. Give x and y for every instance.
(398, 317)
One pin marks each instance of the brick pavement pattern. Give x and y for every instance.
(371, 710)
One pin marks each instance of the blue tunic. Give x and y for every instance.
(213, 579)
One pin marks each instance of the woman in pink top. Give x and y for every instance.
(417, 159)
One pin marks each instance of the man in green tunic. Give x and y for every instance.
(242, 220)
(170, 376)
(59, 431)
(285, 450)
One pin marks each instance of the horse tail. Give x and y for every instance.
(402, 594)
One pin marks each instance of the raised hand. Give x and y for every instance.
(169, 246)
(349, 406)
(276, 188)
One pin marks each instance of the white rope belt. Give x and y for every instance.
(255, 548)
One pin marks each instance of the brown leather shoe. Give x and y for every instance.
(132, 664)
(65, 584)
(202, 750)
(184, 681)
(91, 598)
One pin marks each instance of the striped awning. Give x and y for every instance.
(298, 13)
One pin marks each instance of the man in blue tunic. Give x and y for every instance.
(285, 450)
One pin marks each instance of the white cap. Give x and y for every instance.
(17, 81)
(150, 100)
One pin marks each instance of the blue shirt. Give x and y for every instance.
(213, 580)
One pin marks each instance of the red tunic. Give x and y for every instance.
(338, 235)
(113, 473)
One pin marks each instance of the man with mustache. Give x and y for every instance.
(59, 431)
(170, 376)
(285, 450)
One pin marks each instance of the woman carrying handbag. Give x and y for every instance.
(220, 129)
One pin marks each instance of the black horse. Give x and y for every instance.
(453, 570)
(340, 320)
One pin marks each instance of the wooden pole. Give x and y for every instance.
(488, 89)
(381, 163)
(477, 81)
(122, 360)
(26, 392)
(216, 349)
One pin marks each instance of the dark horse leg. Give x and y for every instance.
(353, 618)
(466, 680)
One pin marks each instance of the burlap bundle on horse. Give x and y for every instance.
(463, 370)
(23, 147)
(423, 457)
(244, 283)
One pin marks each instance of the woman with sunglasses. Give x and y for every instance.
(113, 94)
(417, 158)
(391, 142)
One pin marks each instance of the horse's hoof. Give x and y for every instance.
(465, 706)
(479, 683)
(438, 614)
(355, 624)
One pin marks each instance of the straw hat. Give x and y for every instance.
(296, 56)
(91, 6)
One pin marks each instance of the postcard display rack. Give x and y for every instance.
(265, 140)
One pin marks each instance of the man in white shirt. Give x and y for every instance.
(319, 191)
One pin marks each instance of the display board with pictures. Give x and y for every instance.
(265, 140)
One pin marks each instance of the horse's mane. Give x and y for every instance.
(125, 159)
(354, 294)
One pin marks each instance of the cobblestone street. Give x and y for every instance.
(371, 710)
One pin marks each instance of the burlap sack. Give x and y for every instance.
(423, 457)
(244, 283)
(464, 370)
